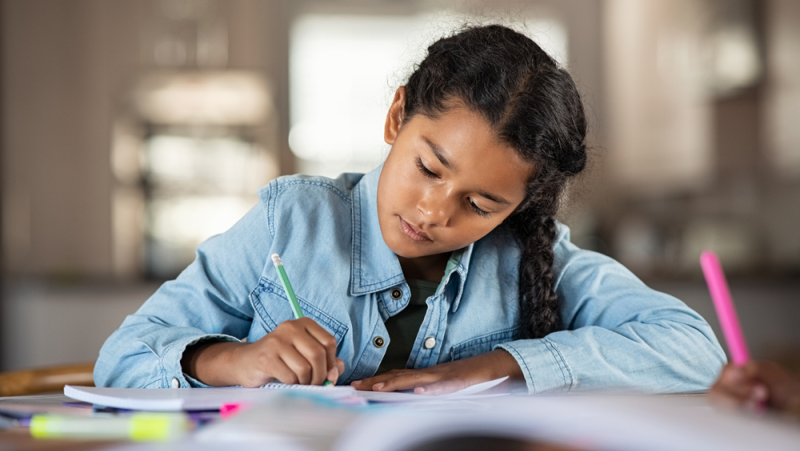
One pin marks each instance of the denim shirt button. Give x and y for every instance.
(378, 342)
(430, 342)
(175, 383)
(397, 294)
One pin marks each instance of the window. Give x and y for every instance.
(188, 166)
(344, 71)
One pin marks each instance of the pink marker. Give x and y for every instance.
(721, 295)
(230, 409)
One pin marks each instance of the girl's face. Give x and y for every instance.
(446, 183)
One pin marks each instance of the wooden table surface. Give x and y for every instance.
(19, 439)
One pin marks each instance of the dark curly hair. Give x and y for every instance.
(534, 106)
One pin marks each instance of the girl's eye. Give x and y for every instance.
(430, 174)
(425, 171)
(477, 210)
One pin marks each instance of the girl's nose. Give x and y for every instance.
(436, 207)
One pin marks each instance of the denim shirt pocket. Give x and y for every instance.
(272, 307)
(482, 344)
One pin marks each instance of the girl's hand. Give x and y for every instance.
(296, 352)
(756, 385)
(738, 387)
(446, 377)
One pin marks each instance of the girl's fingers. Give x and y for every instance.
(333, 375)
(360, 385)
(757, 398)
(297, 352)
(316, 357)
(736, 388)
(299, 366)
(726, 397)
(368, 383)
(734, 381)
(406, 381)
(282, 373)
(442, 387)
(336, 371)
(732, 375)
(327, 341)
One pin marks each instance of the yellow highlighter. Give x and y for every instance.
(137, 426)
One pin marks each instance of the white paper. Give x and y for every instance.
(177, 399)
(470, 392)
(642, 423)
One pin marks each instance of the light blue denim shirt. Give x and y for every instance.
(617, 333)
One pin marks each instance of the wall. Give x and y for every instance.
(67, 68)
(46, 324)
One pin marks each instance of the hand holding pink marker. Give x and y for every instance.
(723, 303)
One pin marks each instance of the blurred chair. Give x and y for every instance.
(43, 380)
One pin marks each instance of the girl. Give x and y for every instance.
(442, 268)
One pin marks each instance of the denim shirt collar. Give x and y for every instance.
(374, 267)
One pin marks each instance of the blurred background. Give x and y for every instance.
(131, 130)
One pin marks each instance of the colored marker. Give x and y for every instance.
(230, 409)
(287, 287)
(137, 426)
(723, 303)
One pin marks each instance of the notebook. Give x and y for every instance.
(177, 399)
(587, 421)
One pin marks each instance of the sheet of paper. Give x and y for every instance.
(471, 392)
(646, 423)
(176, 399)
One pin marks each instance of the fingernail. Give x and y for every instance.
(759, 393)
(378, 386)
(419, 390)
(333, 374)
(356, 383)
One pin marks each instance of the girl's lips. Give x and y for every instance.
(412, 232)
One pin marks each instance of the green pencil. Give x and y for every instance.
(287, 287)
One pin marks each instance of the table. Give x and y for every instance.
(19, 438)
(660, 422)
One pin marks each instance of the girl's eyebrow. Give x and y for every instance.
(493, 198)
(439, 154)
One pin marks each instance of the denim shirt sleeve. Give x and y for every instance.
(209, 300)
(617, 334)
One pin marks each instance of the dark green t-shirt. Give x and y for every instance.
(404, 326)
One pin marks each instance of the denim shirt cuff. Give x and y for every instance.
(171, 360)
(542, 365)
(194, 383)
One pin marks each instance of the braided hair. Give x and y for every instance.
(534, 106)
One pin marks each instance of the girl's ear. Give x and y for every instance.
(395, 116)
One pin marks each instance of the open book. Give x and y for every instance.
(586, 422)
(178, 399)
